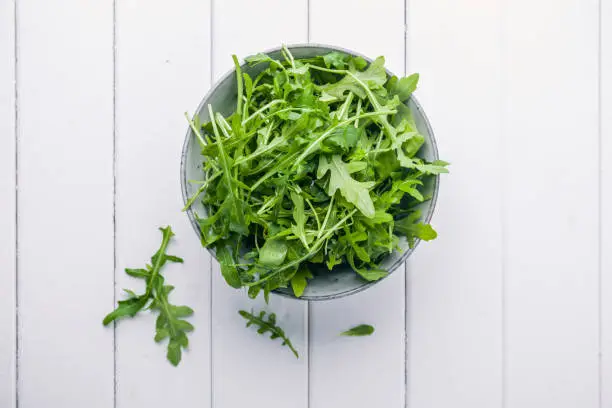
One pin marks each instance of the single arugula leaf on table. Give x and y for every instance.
(268, 325)
(361, 330)
(170, 321)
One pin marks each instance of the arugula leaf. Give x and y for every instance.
(371, 274)
(299, 281)
(228, 270)
(341, 140)
(273, 252)
(361, 330)
(403, 87)
(374, 76)
(170, 324)
(169, 321)
(300, 218)
(354, 191)
(411, 228)
(268, 326)
(336, 59)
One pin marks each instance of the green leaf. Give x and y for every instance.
(299, 217)
(126, 308)
(357, 63)
(299, 281)
(408, 187)
(381, 217)
(273, 252)
(138, 273)
(436, 167)
(404, 87)
(371, 274)
(341, 140)
(173, 258)
(335, 59)
(168, 323)
(354, 191)
(183, 325)
(412, 145)
(361, 330)
(228, 270)
(161, 334)
(375, 76)
(174, 353)
(268, 325)
(262, 58)
(407, 226)
(182, 311)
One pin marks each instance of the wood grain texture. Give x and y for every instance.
(605, 70)
(551, 203)
(454, 283)
(360, 372)
(162, 71)
(65, 209)
(249, 369)
(511, 307)
(7, 205)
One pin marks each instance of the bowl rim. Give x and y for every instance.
(426, 218)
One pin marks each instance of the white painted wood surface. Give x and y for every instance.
(455, 283)
(160, 74)
(7, 205)
(509, 308)
(551, 251)
(65, 207)
(605, 159)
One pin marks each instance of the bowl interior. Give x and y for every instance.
(326, 285)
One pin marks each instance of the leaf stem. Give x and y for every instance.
(260, 110)
(159, 259)
(239, 82)
(195, 130)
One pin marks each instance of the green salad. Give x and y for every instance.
(318, 166)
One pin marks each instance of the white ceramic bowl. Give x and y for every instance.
(343, 281)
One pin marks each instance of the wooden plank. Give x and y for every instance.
(360, 371)
(243, 360)
(454, 283)
(163, 70)
(7, 204)
(551, 215)
(65, 69)
(605, 70)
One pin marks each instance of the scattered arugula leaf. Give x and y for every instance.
(170, 323)
(318, 166)
(361, 330)
(268, 325)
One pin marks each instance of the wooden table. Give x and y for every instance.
(511, 307)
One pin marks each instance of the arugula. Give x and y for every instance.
(170, 321)
(356, 192)
(268, 325)
(318, 166)
(361, 330)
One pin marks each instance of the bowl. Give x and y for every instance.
(343, 281)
